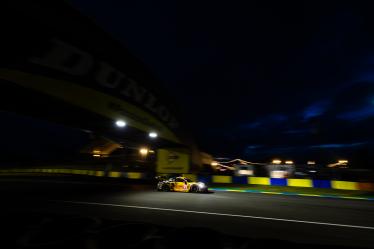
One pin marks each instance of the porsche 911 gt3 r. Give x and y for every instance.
(181, 184)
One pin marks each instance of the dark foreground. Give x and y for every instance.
(38, 211)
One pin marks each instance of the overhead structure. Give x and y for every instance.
(59, 65)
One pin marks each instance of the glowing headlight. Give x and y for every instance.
(201, 185)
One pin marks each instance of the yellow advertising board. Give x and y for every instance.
(172, 161)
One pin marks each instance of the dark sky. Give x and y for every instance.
(259, 78)
(255, 79)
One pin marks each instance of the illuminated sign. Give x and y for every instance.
(172, 161)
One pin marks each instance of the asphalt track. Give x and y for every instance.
(291, 218)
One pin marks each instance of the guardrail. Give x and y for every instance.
(97, 173)
(219, 179)
(307, 183)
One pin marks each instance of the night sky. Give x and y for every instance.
(258, 79)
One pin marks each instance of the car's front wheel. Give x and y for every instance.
(194, 189)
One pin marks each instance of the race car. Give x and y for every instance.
(180, 184)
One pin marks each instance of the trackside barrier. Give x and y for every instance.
(115, 174)
(308, 183)
(97, 173)
(344, 185)
(134, 175)
(321, 184)
(204, 178)
(300, 183)
(366, 186)
(239, 179)
(278, 182)
(259, 180)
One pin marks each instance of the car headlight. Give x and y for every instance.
(201, 185)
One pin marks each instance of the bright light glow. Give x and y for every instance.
(120, 123)
(288, 162)
(245, 172)
(276, 161)
(201, 185)
(97, 151)
(214, 163)
(311, 162)
(143, 151)
(343, 161)
(278, 174)
(153, 134)
(96, 155)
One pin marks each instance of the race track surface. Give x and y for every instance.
(291, 218)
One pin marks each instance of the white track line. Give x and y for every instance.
(217, 214)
